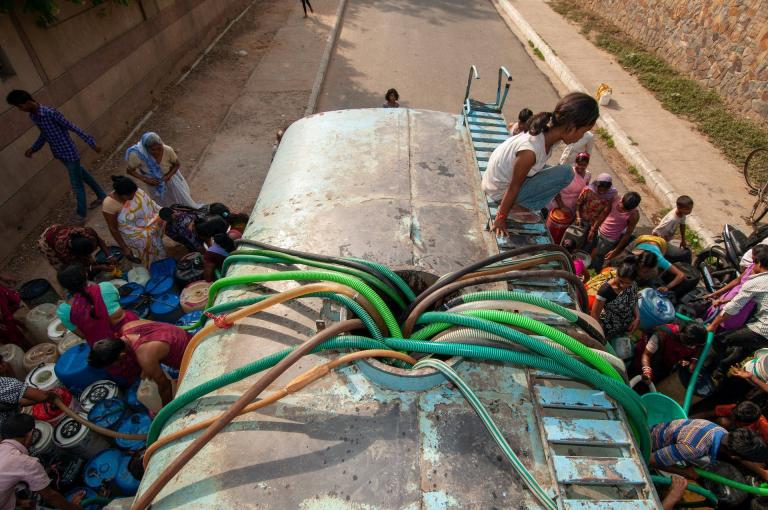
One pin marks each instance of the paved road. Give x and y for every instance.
(424, 49)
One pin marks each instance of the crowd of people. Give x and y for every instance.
(616, 263)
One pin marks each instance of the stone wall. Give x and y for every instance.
(721, 43)
(100, 65)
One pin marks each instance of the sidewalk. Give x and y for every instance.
(673, 157)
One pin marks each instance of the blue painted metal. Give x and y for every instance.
(573, 398)
(598, 470)
(584, 431)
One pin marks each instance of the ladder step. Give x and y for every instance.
(598, 471)
(486, 115)
(482, 165)
(486, 146)
(496, 139)
(584, 431)
(624, 504)
(482, 158)
(500, 130)
(573, 398)
(485, 123)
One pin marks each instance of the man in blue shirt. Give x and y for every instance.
(54, 129)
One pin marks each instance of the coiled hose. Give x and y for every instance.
(469, 335)
(532, 299)
(452, 277)
(493, 429)
(349, 281)
(281, 297)
(425, 303)
(245, 256)
(370, 269)
(527, 323)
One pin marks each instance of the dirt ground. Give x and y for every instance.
(187, 117)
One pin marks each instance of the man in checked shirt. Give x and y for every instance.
(54, 129)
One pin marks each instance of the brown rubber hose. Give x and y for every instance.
(431, 299)
(96, 428)
(298, 383)
(275, 299)
(523, 264)
(145, 499)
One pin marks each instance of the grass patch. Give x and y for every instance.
(693, 239)
(730, 132)
(606, 137)
(530, 43)
(538, 53)
(635, 173)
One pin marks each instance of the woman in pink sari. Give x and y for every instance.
(91, 310)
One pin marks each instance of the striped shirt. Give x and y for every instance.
(54, 129)
(754, 289)
(693, 441)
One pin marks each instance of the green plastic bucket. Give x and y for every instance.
(661, 408)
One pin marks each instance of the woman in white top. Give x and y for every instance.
(156, 164)
(517, 177)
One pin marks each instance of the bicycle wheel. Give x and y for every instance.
(756, 168)
(760, 207)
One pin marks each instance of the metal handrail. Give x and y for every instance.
(472, 72)
(499, 99)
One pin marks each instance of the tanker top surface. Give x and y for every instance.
(399, 187)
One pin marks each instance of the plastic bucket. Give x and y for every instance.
(125, 481)
(98, 391)
(77, 439)
(194, 296)
(42, 439)
(661, 408)
(162, 267)
(165, 307)
(576, 234)
(132, 298)
(73, 369)
(38, 291)
(70, 340)
(102, 468)
(190, 318)
(40, 354)
(655, 309)
(49, 412)
(137, 423)
(37, 321)
(107, 413)
(56, 331)
(159, 285)
(138, 274)
(14, 356)
(557, 223)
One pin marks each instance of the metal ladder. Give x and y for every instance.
(590, 451)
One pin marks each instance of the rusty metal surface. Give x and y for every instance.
(598, 470)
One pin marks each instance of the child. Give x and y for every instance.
(569, 195)
(392, 98)
(579, 266)
(584, 144)
(593, 205)
(517, 177)
(616, 303)
(616, 229)
(669, 346)
(521, 126)
(673, 220)
(746, 414)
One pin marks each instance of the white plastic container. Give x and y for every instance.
(139, 274)
(96, 392)
(42, 439)
(14, 356)
(149, 395)
(40, 354)
(194, 296)
(37, 321)
(118, 282)
(77, 439)
(43, 377)
(56, 331)
(69, 340)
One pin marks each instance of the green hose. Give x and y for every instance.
(393, 277)
(255, 256)
(493, 429)
(350, 303)
(692, 487)
(95, 500)
(540, 329)
(532, 299)
(758, 491)
(349, 281)
(691, 389)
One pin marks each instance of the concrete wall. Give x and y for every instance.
(100, 66)
(721, 43)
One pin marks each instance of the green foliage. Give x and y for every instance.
(606, 137)
(733, 134)
(538, 53)
(46, 10)
(635, 173)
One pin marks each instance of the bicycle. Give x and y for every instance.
(756, 175)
